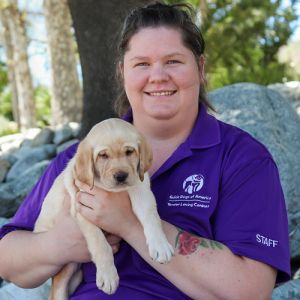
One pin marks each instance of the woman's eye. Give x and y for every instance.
(173, 62)
(142, 64)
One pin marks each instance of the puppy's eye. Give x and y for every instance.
(103, 155)
(129, 152)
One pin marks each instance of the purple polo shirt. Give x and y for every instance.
(220, 184)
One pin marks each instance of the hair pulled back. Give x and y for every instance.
(157, 15)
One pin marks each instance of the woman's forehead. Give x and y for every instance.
(148, 40)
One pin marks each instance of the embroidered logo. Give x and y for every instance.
(193, 183)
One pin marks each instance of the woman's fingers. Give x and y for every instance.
(115, 248)
(84, 187)
(114, 241)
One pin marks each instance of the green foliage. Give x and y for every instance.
(3, 76)
(243, 38)
(5, 104)
(43, 106)
(6, 127)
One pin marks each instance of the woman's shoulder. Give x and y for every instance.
(240, 147)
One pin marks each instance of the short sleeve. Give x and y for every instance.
(27, 214)
(251, 217)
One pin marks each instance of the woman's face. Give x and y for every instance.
(161, 75)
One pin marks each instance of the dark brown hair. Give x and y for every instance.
(157, 15)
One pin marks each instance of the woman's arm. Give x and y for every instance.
(207, 273)
(28, 259)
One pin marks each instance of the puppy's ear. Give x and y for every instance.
(145, 156)
(84, 164)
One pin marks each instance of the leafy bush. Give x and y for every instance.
(43, 105)
(5, 104)
(7, 127)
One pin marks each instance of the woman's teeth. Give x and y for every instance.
(161, 94)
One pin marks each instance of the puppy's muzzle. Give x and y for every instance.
(121, 177)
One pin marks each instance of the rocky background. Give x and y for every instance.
(270, 114)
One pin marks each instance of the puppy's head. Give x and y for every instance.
(114, 151)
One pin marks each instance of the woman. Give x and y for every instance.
(217, 189)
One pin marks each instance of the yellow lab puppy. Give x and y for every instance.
(114, 156)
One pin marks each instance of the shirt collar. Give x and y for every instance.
(206, 131)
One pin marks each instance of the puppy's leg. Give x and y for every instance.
(76, 279)
(52, 206)
(144, 206)
(102, 255)
(59, 288)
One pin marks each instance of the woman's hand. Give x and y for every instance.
(110, 211)
(70, 241)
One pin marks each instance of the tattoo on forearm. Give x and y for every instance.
(188, 243)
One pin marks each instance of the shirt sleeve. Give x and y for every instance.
(251, 217)
(27, 214)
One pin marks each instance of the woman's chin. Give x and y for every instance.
(162, 113)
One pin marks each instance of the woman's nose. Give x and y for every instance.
(158, 75)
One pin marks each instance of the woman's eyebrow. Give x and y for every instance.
(166, 56)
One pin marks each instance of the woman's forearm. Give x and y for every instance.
(212, 271)
(26, 259)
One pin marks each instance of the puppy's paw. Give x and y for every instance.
(160, 250)
(107, 279)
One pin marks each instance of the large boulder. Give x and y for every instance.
(4, 167)
(269, 118)
(4, 221)
(12, 292)
(30, 158)
(66, 145)
(44, 137)
(287, 291)
(62, 134)
(12, 194)
(289, 90)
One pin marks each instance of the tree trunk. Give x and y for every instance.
(97, 23)
(22, 71)
(66, 100)
(7, 41)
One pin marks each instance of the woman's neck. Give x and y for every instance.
(163, 139)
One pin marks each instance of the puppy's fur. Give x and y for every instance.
(114, 156)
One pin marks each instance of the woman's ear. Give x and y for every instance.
(121, 69)
(84, 164)
(201, 68)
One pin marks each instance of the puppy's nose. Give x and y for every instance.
(121, 176)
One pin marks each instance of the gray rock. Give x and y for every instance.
(11, 158)
(62, 135)
(11, 137)
(30, 158)
(289, 90)
(44, 137)
(287, 291)
(31, 133)
(4, 221)
(26, 143)
(11, 147)
(269, 118)
(24, 148)
(76, 129)
(4, 167)
(4, 283)
(66, 145)
(12, 194)
(12, 292)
